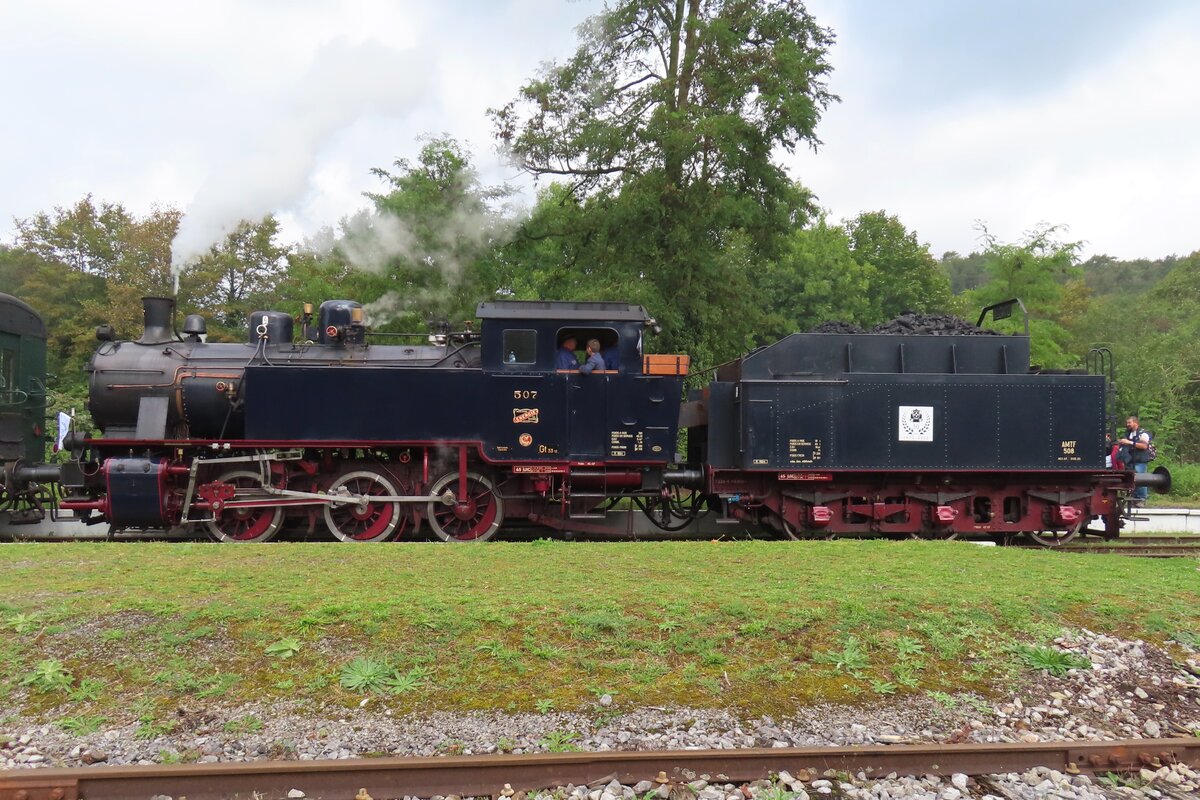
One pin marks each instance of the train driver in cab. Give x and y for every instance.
(565, 358)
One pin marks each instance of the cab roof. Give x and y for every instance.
(17, 317)
(562, 310)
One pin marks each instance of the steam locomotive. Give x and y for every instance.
(370, 436)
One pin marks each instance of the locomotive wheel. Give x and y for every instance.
(1056, 538)
(475, 517)
(244, 524)
(370, 521)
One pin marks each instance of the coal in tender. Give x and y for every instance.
(836, 326)
(914, 324)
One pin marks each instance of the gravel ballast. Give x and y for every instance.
(1132, 690)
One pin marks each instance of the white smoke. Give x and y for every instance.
(372, 240)
(267, 161)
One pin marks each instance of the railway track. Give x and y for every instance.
(505, 776)
(1139, 546)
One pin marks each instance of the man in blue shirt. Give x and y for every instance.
(595, 361)
(565, 358)
(1135, 453)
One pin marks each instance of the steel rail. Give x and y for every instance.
(486, 776)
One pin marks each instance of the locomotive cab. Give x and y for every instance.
(546, 413)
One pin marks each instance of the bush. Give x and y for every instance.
(1185, 481)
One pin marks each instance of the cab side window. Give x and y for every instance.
(520, 346)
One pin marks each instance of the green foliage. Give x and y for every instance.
(851, 659)
(544, 705)
(663, 125)
(88, 689)
(48, 675)
(22, 623)
(82, 725)
(1038, 271)
(365, 675)
(243, 725)
(284, 648)
(560, 742)
(815, 279)
(1052, 660)
(403, 682)
(907, 276)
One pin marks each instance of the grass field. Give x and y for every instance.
(98, 632)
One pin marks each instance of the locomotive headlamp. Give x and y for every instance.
(308, 309)
(356, 315)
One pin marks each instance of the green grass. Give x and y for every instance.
(760, 626)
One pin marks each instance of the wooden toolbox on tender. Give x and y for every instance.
(665, 365)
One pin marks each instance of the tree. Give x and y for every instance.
(964, 272)
(817, 279)
(1036, 270)
(428, 250)
(663, 126)
(238, 275)
(908, 277)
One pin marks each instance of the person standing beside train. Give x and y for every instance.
(1134, 452)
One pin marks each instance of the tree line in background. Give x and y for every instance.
(654, 146)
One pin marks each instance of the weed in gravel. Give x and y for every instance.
(943, 699)
(21, 623)
(776, 791)
(560, 742)
(243, 725)
(1187, 638)
(365, 675)
(152, 729)
(1056, 662)
(48, 675)
(83, 724)
(544, 705)
(88, 689)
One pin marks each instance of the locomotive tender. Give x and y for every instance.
(818, 434)
(934, 436)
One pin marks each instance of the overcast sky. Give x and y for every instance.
(1084, 113)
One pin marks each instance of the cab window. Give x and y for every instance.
(609, 343)
(520, 346)
(8, 365)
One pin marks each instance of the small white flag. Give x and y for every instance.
(64, 427)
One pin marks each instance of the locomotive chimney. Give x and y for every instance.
(157, 313)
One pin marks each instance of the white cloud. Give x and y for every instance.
(230, 107)
(1106, 152)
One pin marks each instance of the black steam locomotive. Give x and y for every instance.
(332, 427)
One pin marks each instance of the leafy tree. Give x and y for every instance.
(85, 237)
(817, 279)
(663, 126)
(1153, 339)
(433, 238)
(964, 272)
(238, 275)
(1036, 270)
(1107, 275)
(908, 277)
